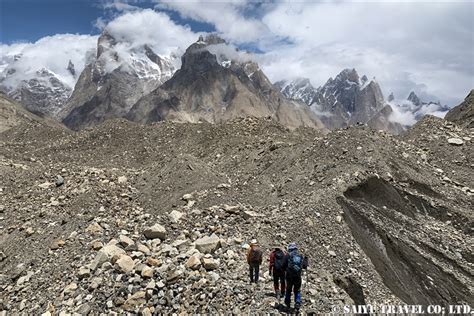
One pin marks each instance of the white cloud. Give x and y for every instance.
(227, 17)
(406, 113)
(153, 28)
(51, 52)
(120, 5)
(405, 45)
(229, 52)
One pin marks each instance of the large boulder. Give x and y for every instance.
(208, 244)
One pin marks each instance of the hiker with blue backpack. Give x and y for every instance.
(295, 263)
(277, 269)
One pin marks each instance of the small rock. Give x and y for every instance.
(45, 185)
(83, 273)
(59, 181)
(84, 309)
(136, 299)
(147, 272)
(122, 179)
(209, 263)
(95, 283)
(125, 241)
(94, 228)
(105, 254)
(455, 141)
(175, 216)
(57, 244)
(96, 244)
(143, 248)
(29, 231)
(70, 288)
(155, 231)
(25, 278)
(125, 264)
(146, 312)
(153, 262)
(187, 197)
(193, 263)
(173, 276)
(250, 214)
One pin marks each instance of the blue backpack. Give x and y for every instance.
(295, 263)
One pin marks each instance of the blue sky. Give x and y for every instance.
(425, 45)
(30, 20)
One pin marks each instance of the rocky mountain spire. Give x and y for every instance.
(297, 89)
(205, 89)
(414, 98)
(391, 97)
(110, 85)
(70, 67)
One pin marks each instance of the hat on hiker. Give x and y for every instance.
(292, 246)
(253, 242)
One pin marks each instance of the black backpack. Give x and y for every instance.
(279, 260)
(295, 263)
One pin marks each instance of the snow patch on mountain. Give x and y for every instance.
(23, 62)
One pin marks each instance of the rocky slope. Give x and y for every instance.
(109, 86)
(214, 88)
(463, 114)
(97, 222)
(13, 114)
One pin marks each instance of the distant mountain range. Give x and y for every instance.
(205, 84)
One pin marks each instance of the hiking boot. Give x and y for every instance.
(297, 307)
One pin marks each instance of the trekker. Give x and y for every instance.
(294, 263)
(277, 269)
(254, 259)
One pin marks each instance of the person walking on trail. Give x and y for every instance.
(294, 263)
(254, 259)
(278, 270)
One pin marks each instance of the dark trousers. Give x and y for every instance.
(254, 269)
(279, 281)
(293, 284)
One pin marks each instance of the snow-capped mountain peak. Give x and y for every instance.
(297, 89)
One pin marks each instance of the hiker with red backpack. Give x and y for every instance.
(254, 259)
(295, 262)
(278, 270)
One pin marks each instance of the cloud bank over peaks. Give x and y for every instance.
(23, 60)
(152, 28)
(132, 30)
